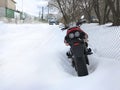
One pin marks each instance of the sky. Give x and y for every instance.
(31, 6)
(33, 57)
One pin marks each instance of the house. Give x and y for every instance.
(7, 8)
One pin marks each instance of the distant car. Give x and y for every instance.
(94, 19)
(53, 21)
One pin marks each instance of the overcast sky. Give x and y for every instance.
(30, 6)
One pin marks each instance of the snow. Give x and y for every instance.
(33, 57)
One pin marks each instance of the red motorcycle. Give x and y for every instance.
(78, 51)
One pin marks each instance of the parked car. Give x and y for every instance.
(53, 21)
(94, 19)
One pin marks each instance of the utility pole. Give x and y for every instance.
(48, 12)
(5, 8)
(42, 12)
(22, 6)
(39, 14)
(23, 17)
(22, 10)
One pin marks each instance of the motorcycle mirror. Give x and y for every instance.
(82, 16)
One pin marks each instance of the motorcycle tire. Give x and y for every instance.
(80, 66)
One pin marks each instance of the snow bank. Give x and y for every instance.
(105, 40)
(32, 57)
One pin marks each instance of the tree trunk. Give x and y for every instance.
(63, 13)
(114, 6)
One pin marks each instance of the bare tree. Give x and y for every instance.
(102, 11)
(73, 9)
(69, 9)
(115, 9)
(87, 7)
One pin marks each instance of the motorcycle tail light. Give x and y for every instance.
(71, 35)
(77, 34)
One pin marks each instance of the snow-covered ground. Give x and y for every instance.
(32, 57)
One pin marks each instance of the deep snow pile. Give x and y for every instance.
(32, 57)
(105, 40)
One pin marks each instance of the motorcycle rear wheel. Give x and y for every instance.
(80, 66)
